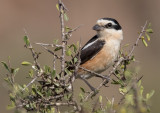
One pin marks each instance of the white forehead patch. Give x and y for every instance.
(104, 22)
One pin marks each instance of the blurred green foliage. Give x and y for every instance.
(47, 92)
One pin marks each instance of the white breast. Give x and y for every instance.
(113, 46)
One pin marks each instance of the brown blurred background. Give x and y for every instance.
(40, 19)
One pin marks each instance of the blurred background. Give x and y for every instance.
(41, 20)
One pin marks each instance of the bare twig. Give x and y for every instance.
(95, 105)
(11, 74)
(54, 63)
(52, 45)
(58, 57)
(35, 57)
(69, 32)
(32, 81)
(62, 9)
(97, 74)
(79, 59)
(139, 37)
(60, 104)
(33, 52)
(129, 90)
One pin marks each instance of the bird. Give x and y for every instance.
(102, 50)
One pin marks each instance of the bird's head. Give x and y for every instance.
(108, 27)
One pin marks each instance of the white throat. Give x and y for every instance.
(111, 33)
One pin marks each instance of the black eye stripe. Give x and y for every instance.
(109, 25)
(117, 26)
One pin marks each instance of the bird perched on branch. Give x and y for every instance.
(101, 51)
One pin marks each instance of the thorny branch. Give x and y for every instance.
(139, 37)
(62, 10)
(97, 74)
(52, 45)
(32, 81)
(129, 90)
(35, 57)
(72, 30)
(120, 60)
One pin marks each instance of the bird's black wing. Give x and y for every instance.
(91, 40)
(90, 49)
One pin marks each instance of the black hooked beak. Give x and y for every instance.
(98, 28)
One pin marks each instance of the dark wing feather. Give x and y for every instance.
(91, 40)
(91, 51)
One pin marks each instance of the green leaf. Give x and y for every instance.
(53, 74)
(149, 25)
(68, 72)
(58, 76)
(25, 63)
(11, 106)
(5, 65)
(59, 90)
(115, 82)
(48, 92)
(127, 73)
(148, 37)
(66, 17)
(16, 71)
(67, 29)
(149, 31)
(75, 60)
(81, 96)
(122, 66)
(31, 73)
(26, 40)
(82, 89)
(34, 91)
(142, 37)
(39, 93)
(57, 6)
(55, 41)
(69, 52)
(7, 80)
(12, 97)
(122, 90)
(144, 42)
(67, 96)
(124, 46)
(149, 95)
(141, 90)
(47, 69)
(132, 58)
(100, 99)
(58, 48)
(129, 99)
(56, 84)
(74, 47)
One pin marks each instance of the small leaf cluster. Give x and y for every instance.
(147, 37)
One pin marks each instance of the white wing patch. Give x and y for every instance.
(89, 44)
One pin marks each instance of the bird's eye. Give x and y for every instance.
(109, 25)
